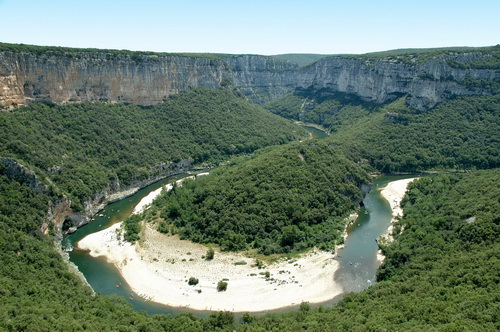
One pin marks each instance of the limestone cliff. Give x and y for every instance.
(60, 215)
(147, 79)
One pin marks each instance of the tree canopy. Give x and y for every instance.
(279, 199)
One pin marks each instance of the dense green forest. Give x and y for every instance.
(441, 274)
(39, 293)
(458, 134)
(82, 147)
(279, 200)
(419, 56)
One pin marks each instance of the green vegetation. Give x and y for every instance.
(458, 134)
(83, 147)
(138, 56)
(221, 286)
(279, 200)
(132, 228)
(491, 60)
(332, 110)
(441, 273)
(193, 281)
(210, 254)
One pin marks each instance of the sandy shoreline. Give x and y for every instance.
(160, 268)
(393, 193)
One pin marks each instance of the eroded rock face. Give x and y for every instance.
(149, 79)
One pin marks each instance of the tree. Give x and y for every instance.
(221, 286)
(210, 254)
(193, 281)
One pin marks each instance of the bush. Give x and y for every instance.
(210, 254)
(193, 281)
(221, 286)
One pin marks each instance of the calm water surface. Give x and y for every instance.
(358, 263)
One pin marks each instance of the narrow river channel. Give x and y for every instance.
(358, 259)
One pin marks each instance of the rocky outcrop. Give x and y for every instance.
(20, 173)
(425, 84)
(148, 79)
(61, 216)
(64, 218)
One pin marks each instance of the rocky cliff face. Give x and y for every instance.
(143, 80)
(425, 84)
(61, 216)
(148, 79)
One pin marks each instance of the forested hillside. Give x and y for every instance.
(279, 200)
(458, 134)
(441, 273)
(83, 147)
(39, 293)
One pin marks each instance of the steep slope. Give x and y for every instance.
(90, 150)
(458, 134)
(30, 73)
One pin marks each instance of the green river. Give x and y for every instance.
(358, 259)
(358, 262)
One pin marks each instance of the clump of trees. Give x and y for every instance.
(210, 254)
(278, 200)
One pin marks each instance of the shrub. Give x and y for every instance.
(193, 281)
(221, 286)
(210, 254)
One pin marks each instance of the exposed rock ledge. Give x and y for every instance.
(59, 209)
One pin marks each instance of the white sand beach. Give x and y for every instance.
(158, 267)
(149, 198)
(393, 193)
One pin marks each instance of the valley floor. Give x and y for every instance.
(159, 267)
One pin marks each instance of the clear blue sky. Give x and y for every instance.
(257, 26)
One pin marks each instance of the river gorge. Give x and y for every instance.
(357, 260)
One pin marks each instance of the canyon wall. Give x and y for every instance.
(148, 79)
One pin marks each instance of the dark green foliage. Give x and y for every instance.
(458, 134)
(331, 110)
(489, 60)
(279, 200)
(132, 228)
(305, 307)
(193, 281)
(37, 290)
(441, 274)
(82, 147)
(137, 56)
(221, 286)
(210, 254)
